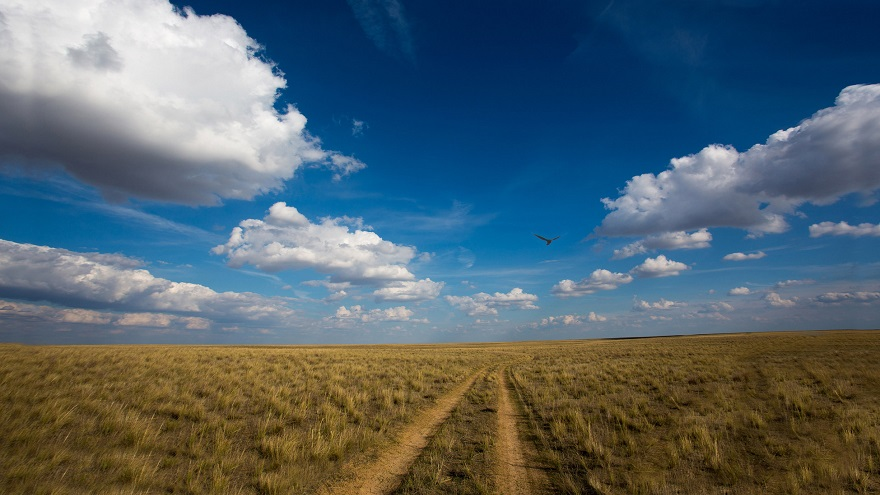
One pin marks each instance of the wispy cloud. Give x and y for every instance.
(744, 257)
(385, 23)
(457, 220)
(63, 189)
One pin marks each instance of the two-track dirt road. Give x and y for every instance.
(515, 468)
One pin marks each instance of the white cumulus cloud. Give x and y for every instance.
(668, 240)
(598, 280)
(482, 304)
(142, 99)
(399, 313)
(570, 320)
(659, 267)
(831, 154)
(739, 291)
(287, 240)
(774, 299)
(843, 228)
(662, 304)
(744, 256)
(414, 290)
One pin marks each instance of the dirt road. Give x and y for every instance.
(383, 474)
(516, 470)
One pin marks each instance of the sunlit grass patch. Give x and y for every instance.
(206, 419)
(755, 413)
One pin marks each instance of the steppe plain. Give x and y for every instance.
(784, 412)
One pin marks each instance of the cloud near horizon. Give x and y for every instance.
(662, 305)
(399, 313)
(827, 156)
(115, 93)
(89, 281)
(483, 304)
(64, 316)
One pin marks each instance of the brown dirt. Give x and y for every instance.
(517, 472)
(383, 474)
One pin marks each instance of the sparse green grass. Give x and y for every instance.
(757, 413)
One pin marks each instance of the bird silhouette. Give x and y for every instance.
(548, 241)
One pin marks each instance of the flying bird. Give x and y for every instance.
(548, 241)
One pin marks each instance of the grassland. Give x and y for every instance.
(205, 419)
(750, 413)
(759, 413)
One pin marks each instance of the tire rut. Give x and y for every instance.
(517, 469)
(382, 475)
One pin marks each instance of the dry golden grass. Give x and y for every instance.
(205, 419)
(459, 458)
(753, 413)
(757, 413)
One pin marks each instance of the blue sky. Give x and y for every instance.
(374, 171)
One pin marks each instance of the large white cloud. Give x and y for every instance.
(843, 228)
(142, 99)
(668, 240)
(287, 240)
(598, 280)
(482, 304)
(94, 280)
(834, 153)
